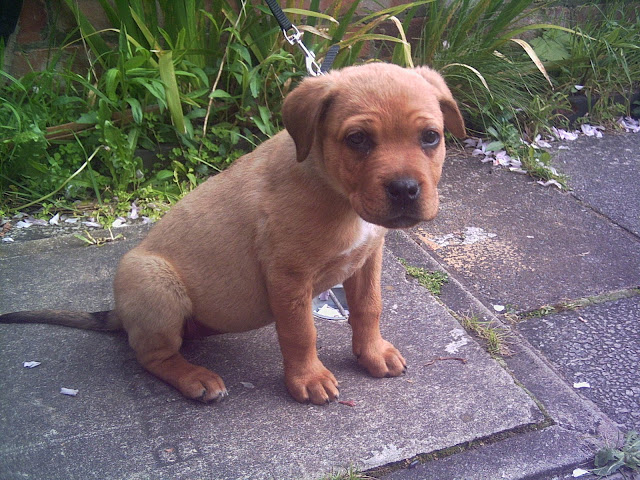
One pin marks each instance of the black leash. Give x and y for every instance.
(294, 37)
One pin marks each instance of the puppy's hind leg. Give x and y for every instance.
(153, 305)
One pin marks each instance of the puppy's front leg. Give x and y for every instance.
(306, 377)
(376, 354)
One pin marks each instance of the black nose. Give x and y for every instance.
(403, 192)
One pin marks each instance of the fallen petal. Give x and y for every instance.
(30, 364)
(69, 391)
(581, 385)
(578, 472)
(550, 182)
(133, 214)
(498, 308)
(118, 222)
(55, 220)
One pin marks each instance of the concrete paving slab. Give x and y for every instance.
(599, 345)
(605, 174)
(515, 243)
(575, 430)
(126, 424)
(532, 455)
(62, 272)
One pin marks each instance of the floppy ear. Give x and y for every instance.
(303, 111)
(452, 118)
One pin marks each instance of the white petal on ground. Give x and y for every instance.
(629, 124)
(69, 391)
(550, 182)
(119, 222)
(591, 131)
(30, 364)
(581, 385)
(133, 214)
(563, 134)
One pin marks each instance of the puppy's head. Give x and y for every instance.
(378, 130)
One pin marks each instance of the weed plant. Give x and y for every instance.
(206, 86)
(491, 73)
(598, 60)
(207, 82)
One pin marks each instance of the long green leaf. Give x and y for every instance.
(168, 76)
(99, 47)
(309, 13)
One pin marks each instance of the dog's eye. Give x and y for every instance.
(429, 138)
(359, 141)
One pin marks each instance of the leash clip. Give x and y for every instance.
(295, 38)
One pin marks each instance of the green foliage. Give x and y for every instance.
(609, 460)
(496, 337)
(601, 56)
(432, 281)
(209, 84)
(471, 43)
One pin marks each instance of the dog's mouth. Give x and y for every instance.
(402, 221)
(395, 215)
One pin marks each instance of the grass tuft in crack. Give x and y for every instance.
(495, 336)
(432, 281)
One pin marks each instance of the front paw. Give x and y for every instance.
(381, 359)
(313, 383)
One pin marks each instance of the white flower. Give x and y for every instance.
(563, 134)
(118, 222)
(538, 141)
(591, 131)
(133, 214)
(629, 124)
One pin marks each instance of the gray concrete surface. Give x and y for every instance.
(603, 173)
(137, 426)
(522, 246)
(503, 240)
(599, 345)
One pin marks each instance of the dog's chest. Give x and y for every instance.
(367, 233)
(347, 260)
(364, 243)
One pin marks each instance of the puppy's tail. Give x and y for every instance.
(103, 321)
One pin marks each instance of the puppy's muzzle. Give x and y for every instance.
(403, 195)
(404, 203)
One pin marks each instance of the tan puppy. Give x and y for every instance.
(362, 152)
